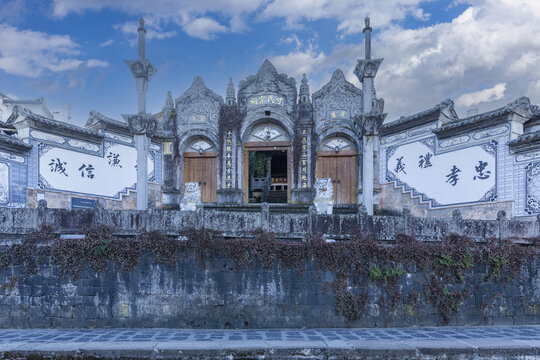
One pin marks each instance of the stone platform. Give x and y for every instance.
(493, 342)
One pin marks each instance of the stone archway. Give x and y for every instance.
(337, 160)
(272, 141)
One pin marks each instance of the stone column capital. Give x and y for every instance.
(141, 68)
(371, 122)
(141, 124)
(367, 68)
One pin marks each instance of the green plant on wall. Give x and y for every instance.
(258, 164)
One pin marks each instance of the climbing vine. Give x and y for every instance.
(445, 269)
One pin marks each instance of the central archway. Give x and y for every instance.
(267, 163)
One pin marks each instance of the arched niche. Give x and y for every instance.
(268, 132)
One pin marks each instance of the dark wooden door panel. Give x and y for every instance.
(202, 170)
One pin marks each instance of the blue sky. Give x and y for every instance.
(480, 53)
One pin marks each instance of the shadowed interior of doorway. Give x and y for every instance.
(268, 180)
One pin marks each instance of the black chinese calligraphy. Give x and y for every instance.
(425, 161)
(58, 166)
(453, 178)
(87, 170)
(400, 166)
(481, 174)
(114, 159)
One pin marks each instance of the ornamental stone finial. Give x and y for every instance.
(230, 96)
(304, 90)
(367, 21)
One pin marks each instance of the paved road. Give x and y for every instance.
(476, 342)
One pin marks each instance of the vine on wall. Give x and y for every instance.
(448, 268)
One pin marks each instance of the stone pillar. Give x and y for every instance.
(370, 121)
(303, 191)
(142, 125)
(141, 144)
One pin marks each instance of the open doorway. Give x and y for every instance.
(268, 176)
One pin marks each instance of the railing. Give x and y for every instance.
(287, 221)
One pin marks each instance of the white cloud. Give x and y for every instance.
(192, 16)
(485, 95)
(204, 28)
(106, 43)
(489, 46)
(31, 53)
(349, 14)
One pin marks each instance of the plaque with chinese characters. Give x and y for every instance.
(304, 160)
(228, 160)
(457, 177)
(266, 99)
(337, 114)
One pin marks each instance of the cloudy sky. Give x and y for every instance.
(480, 53)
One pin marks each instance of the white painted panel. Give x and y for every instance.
(83, 145)
(4, 183)
(46, 136)
(68, 170)
(11, 157)
(473, 167)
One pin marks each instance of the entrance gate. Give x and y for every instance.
(200, 166)
(340, 165)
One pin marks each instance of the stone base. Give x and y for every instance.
(302, 196)
(230, 196)
(170, 200)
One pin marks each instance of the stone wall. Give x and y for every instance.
(188, 295)
(293, 222)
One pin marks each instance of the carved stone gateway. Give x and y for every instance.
(324, 197)
(192, 197)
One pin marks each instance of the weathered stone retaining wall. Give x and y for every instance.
(286, 221)
(219, 296)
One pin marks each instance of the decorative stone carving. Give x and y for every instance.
(337, 144)
(199, 103)
(367, 68)
(268, 132)
(336, 95)
(324, 197)
(268, 81)
(370, 123)
(141, 124)
(192, 197)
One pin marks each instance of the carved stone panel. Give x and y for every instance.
(337, 101)
(268, 88)
(198, 104)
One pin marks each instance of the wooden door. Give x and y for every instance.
(202, 169)
(341, 168)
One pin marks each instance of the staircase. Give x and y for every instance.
(277, 196)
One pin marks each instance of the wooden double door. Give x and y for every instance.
(202, 169)
(341, 167)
